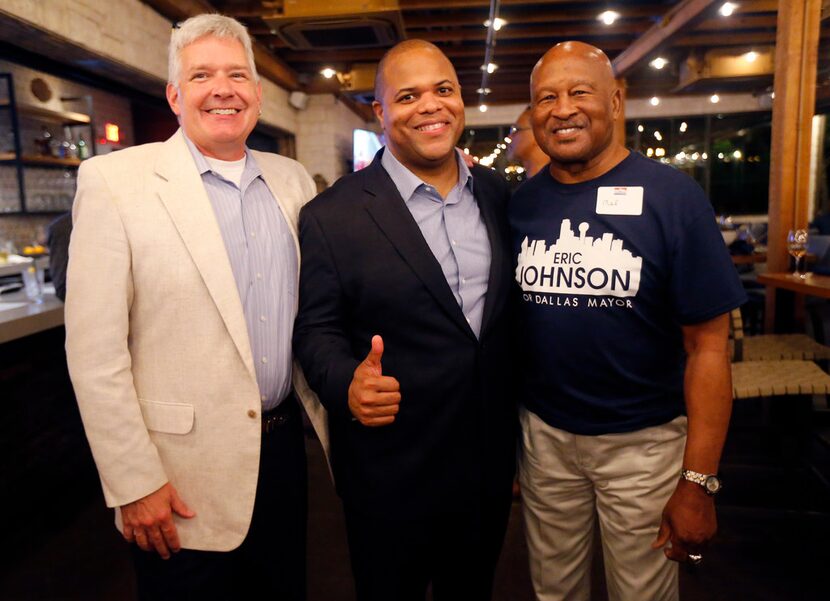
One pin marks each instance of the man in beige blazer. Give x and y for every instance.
(181, 296)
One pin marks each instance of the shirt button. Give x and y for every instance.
(265, 359)
(463, 280)
(453, 242)
(259, 276)
(263, 318)
(251, 413)
(253, 234)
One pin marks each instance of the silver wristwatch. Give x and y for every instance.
(710, 482)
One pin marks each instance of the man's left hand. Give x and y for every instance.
(689, 522)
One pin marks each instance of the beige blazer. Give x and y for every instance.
(156, 339)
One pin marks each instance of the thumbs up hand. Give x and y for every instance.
(374, 399)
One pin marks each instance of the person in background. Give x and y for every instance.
(181, 297)
(626, 289)
(523, 147)
(57, 240)
(403, 332)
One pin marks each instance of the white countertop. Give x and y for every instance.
(20, 317)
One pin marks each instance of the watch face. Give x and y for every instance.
(712, 485)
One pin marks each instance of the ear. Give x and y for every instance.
(173, 99)
(616, 103)
(377, 107)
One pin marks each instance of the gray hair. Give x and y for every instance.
(198, 27)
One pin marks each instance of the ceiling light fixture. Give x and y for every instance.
(683, 127)
(497, 23)
(654, 101)
(484, 91)
(482, 108)
(727, 9)
(640, 128)
(489, 67)
(608, 17)
(328, 72)
(714, 98)
(751, 56)
(658, 63)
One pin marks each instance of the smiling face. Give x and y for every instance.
(574, 104)
(217, 98)
(420, 108)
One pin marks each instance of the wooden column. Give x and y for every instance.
(619, 126)
(796, 52)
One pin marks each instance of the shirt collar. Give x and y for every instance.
(202, 166)
(407, 182)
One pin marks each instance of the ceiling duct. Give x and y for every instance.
(331, 25)
(727, 70)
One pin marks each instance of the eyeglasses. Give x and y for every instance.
(516, 128)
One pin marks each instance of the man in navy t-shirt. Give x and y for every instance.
(626, 288)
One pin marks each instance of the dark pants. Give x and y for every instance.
(270, 562)
(456, 552)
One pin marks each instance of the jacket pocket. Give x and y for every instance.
(170, 418)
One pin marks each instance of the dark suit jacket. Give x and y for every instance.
(366, 269)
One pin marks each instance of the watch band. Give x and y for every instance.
(695, 477)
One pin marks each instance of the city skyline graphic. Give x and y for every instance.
(578, 264)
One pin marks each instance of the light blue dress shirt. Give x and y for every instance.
(264, 264)
(454, 231)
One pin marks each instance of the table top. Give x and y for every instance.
(20, 317)
(758, 257)
(814, 285)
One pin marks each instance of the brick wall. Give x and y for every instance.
(324, 136)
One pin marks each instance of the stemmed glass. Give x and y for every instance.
(797, 247)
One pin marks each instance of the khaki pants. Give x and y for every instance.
(625, 479)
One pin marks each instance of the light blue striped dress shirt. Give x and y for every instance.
(264, 263)
(454, 231)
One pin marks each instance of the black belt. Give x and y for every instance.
(280, 415)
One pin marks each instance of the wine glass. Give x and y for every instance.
(797, 247)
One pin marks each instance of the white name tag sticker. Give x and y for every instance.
(620, 200)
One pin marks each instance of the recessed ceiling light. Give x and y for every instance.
(654, 101)
(482, 108)
(640, 128)
(727, 9)
(683, 127)
(328, 72)
(714, 98)
(608, 17)
(484, 90)
(489, 67)
(659, 62)
(751, 56)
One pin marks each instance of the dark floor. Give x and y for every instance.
(772, 545)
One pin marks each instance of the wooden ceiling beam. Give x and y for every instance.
(682, 16)
(531, 31)
(419, 19)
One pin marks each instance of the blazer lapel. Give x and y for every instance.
(183, 195)
(388, 210)
(498, 255)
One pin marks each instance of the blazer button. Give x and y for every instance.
(251, 413)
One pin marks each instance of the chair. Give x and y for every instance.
(776, 365)
(772, 347)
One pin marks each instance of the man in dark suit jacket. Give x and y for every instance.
(402, 331)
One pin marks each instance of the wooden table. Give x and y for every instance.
(760, 257)
(789, 312)
(814, 285)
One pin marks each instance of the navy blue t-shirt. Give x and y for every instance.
(609, 270)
